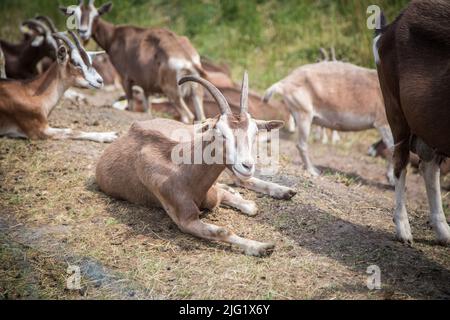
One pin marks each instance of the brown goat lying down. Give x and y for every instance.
(139, 167)
(412, 56)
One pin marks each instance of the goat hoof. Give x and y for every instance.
(250, 209)
(260, 250)
(314, 172)
(443, 234)
(284, 194)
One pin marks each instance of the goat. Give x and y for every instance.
(139, 168)
(25, 105)
(334, 95)
(21, 59)
(153, 59)
(412, 56)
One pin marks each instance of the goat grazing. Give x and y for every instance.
(334, 95)
(21, 59)
(26, 105)
(153, 59)
(412, 56)
(139, 168)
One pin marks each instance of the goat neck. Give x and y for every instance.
(103, 33)
(50, 87)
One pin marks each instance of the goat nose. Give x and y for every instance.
(100, 81)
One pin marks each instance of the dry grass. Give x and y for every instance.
(52, 215)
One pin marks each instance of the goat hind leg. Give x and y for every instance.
(431, 175)
(304, 122)
(388, 140)
(214, 233)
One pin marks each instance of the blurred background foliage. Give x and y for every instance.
(267, 37)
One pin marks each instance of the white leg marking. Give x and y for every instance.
(431, 175)
(272, 189)
(232, 198)
(401, 215)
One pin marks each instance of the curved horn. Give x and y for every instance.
(77, 41)
(217, 95)
(39, 25)
(49, 23)
(244, 94)
(91, 2)
(80, 47)
(80, 3)
(61, 36)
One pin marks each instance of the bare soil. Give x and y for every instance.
(52, 215)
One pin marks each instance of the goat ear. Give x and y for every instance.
(269, 125)
(105, 8)
(62, 54)
(37, 42)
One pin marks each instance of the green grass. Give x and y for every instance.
(267, 37)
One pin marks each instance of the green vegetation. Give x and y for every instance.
(267, 37)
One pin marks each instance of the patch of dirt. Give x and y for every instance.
(339, 224)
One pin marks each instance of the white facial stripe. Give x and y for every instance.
(91, 76)
(93, 13)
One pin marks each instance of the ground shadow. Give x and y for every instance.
(358, 179)
(406, 271)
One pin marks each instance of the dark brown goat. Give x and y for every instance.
(412, 56)
(21, 59)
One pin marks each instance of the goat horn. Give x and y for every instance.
(61, 36)
(244, 94)
(217, 95)
(80, 48)
(80, 3)
(40, 26)
(91, 2)
(49, 23)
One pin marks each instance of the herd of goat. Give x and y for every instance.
(406, 100)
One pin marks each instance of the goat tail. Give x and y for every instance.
(276, 88)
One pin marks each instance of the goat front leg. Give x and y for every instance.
(269, 188)
(431, 175)
(231, 198)
(66, 134)
(186, 215)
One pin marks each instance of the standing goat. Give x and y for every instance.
(139, 167)
(26, 105)
(153, 59)
(334, 95)
(21, 59)
(412, 56)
